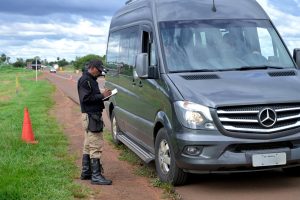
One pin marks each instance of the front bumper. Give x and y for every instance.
(223, 153)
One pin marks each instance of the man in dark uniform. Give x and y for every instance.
(91, 102)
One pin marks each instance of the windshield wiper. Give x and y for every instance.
(244, 68)
(247, 68)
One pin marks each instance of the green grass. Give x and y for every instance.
(142, 169)
(41, 171)
(69, 68)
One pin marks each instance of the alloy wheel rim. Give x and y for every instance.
(115, 133)
(164, 156)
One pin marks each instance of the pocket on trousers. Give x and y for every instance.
(85, 121)
(95, 123)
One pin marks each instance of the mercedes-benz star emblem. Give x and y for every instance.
(267, 117)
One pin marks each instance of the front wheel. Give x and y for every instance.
(115, 129)
(166, 167)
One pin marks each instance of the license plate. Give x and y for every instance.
(271, 159)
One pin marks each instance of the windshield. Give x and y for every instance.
(222, 44)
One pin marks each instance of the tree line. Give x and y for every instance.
(4, 58)
(78, 63)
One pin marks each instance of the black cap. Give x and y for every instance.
(98, 64)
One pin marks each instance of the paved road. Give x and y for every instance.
(244, 186)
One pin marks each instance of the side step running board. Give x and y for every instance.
(144, 155)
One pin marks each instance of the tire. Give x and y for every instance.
(292, 171)
(166, 167)
(115, 130)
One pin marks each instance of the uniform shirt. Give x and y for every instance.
(89, 93)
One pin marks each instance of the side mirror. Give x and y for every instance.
(142, 65)
(104, 72)
(297, 56)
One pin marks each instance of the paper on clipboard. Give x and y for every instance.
(113, 92)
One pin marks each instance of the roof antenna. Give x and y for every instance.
(214, 9)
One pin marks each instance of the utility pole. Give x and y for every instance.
(36, 69)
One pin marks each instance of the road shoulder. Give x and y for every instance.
(125, 183)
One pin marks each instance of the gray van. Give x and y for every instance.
(203, 87)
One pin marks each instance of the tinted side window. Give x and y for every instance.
(149, 48)
(113, 49)
(122, 50)
(153, 58)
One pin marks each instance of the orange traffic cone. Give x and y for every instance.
(27, 133)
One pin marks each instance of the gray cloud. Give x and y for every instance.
(12, 42)
(70, 28)
(87, 9)
(11, 39)
(287, 6)
(49, 28)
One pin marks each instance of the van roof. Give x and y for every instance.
(173, 10)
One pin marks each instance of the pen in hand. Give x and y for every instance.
(106, 93)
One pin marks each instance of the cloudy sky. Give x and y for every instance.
(70, 28)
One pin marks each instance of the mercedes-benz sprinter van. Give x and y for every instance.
(203, 87)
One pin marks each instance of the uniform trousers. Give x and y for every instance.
(93, 142)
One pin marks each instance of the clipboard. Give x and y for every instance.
(113, 92)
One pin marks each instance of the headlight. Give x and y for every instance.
(193, 115)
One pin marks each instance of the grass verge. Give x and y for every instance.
(142, 169)
(69, 68)
(41, 171)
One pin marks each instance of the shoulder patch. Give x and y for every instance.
(89, 84)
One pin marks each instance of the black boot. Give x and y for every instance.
(86, 173)
(97, 178)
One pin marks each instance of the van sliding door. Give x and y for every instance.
(123, 47)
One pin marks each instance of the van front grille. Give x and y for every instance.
(263, 119)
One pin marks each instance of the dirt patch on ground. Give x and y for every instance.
(4, 98)
(5, 82)
(126, 185)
